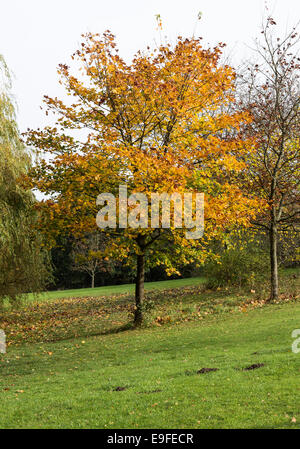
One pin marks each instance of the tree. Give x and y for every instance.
(272, 96)
(24, 264)
(154, 125)
(89, 255)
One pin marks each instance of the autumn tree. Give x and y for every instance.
(271, 92)
(154, 125)
(24, 264)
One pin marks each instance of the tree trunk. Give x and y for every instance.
(273, 260)
(139, 289)
(93, 280)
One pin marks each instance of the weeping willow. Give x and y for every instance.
(24, 265)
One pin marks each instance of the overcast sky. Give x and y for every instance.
(37, 35)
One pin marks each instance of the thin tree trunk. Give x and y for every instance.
(139, 289)
(93, 280)
(273, 260)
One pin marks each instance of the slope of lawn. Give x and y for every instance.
(147, 378)
(116, 289)
(110, 290)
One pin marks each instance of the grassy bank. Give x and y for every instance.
(76, 363)
(148, 378)
(111, 290)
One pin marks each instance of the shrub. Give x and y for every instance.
(237, 267)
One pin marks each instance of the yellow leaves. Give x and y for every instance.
(159, 320)
(152, 125)
(159, 21)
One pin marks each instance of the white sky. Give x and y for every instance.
(37, 35)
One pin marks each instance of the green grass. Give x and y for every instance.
(70, 382)
(125, 288)
(115, 289)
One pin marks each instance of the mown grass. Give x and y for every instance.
(66, 318)
(147, 378)
(111, 290)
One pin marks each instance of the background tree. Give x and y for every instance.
(89, 255)
(155, 125)
(24, 264)
(272, 96)
(64, 276)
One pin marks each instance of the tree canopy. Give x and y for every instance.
(22, 259)
(272, 96)
(159, 124)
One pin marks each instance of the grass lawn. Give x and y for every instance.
(147, 378)
(115, 289)
(125, 288)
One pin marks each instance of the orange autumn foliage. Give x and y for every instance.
(161, 123)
